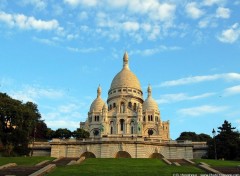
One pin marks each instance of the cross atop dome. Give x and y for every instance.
(125, 60)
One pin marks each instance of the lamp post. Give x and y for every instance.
(214, 140)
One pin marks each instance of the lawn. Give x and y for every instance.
(121, 167)
(218, 162)
(27, 161)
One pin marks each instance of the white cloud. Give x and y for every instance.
(193, 10)
(197, 79)
(7, 18)
(72, 36)
(222, 12)
(230, 35)
(64, 116)
(165, 12)
(45, 41)
(55, 124)
(25, 22)
(68, 108)
(32, 93)
(232, 90)
(154, 33)
(213, 2)
(152, 51)
(75, 3)
(204, 23)
(38, 4)
(83, 15)
(201, 110)
(130, 26)
(85, 50)
(170, 98)
(146, 27)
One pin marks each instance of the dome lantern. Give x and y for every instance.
(99, 91)
(149, 91)
(125, 61)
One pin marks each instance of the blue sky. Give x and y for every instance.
(56, 53)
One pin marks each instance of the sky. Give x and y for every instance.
(55, 53)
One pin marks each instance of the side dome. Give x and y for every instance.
(98, 103)
(125, 78)
(150, 103)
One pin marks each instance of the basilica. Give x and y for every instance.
(125, 113)
(124, 126)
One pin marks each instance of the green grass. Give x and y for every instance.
(218, 162)
(121, 167)
(29, 161)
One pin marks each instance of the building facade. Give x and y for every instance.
(125, 125)
(126, 113)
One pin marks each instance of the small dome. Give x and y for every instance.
(98, 103)
(125, 78)
(150, 103)
(105, 107)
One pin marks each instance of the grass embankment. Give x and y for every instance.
(220, 163)
(26, 161)
(117, 167)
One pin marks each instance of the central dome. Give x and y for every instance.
(125, 78)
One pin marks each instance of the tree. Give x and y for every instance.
(40, 131)
(192, 136)
(227, 143)
(17, 121)
(50, 134)
(80, 133)
(62, 133)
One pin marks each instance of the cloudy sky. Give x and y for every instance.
(56, 53)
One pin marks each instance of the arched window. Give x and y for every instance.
(110, 106)
(122, 108)
(148, 117)
(111, 127)
(134, 106)
(132, 127)
(121, 124)
(151, 118)
(114, 105)
(130, 104)
(144, 119)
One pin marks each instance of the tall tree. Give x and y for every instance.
(17, 121)
(226, 143)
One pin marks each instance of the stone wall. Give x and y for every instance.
(136, 148)
(139, 149)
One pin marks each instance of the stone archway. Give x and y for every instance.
(88, 155)
(123, 154)
(156, 155)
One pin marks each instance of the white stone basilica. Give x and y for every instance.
(126, 114)
(124, 127)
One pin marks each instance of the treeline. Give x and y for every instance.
(225, 143)
(21, 124)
